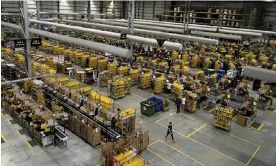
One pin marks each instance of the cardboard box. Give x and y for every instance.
(93, 134)
(71, 123)
(83, 129)
(77, 127)
(89, 104)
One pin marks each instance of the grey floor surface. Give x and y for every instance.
(197, 141)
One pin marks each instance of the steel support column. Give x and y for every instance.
(131, 10)
(28, 40)
(101, 9)
(154, 10)
(89, 10)
(38, 10)
(58, 9)
(75, 9)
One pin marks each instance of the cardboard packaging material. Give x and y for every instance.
(77, 127)
(89, 104)
(93, 134)
(71, 123)
(83, 129)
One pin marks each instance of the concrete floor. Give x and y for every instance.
(197, 141)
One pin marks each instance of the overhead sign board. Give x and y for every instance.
(160, 42)
(21, 43)
(123, 36)
(36, 42)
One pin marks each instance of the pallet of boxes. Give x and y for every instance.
(125, 150)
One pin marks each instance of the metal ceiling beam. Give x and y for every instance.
(146, 32)
(216, 35)
(171, 24)
(76, 41)
(179, 28)
(131, 38)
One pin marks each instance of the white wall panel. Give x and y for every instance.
(148, 10)
(10, 6)
(31, 4)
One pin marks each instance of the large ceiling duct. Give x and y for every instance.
(260, 74)
(147, 32)
(217, 35)
(162, 23)
(76, 41)
(153, 42)
(180, 26)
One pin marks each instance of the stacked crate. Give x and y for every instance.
(146, 80)
(93, 62)
(159, 84)
(112, 67)
(102, 64)
(123, 70)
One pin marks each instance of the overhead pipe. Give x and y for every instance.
(147, 32)
(167, 44)
(260, 74)
(217, 35)
(172, 24)
(191, 27)
(60, 13)
(76, 41)
(11, 14)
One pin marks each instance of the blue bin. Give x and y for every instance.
(221, 72)
(158, 102)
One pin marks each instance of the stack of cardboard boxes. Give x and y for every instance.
(139, 140)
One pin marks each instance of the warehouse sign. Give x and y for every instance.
(123, 36)
(160, 42)
(19, 43)
(36, 42)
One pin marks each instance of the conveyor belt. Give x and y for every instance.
(104, 129)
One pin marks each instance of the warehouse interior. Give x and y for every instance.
(138, 83)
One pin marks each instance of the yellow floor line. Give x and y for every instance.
(160, 157)
(182, 153)
(153, 143)
(29, 144)
(196, 130)
(216, 151)
(204, 145)
(253, 155)
(262, 125)
(211, 110)
(99, 164)
(9, 122)
(18, 133)
(221, 131)
(4, 138)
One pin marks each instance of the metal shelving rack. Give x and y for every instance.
(229, 16)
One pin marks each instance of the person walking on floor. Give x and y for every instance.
(170, 131)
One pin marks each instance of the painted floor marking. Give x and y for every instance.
(160, 157)
(175, 150)
(196, 130)
(220, 130)
(258, 147)
(4, 138)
